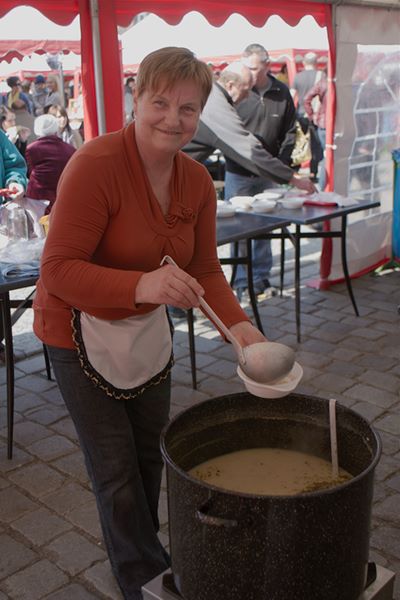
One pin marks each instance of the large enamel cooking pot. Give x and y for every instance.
(236, 546)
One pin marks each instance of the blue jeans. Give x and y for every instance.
(321, 168)
(241, 185)
(120, 441)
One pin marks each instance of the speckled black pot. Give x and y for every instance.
(230, 546)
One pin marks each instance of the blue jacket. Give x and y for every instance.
(12, 164)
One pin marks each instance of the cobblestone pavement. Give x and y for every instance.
(50, 541)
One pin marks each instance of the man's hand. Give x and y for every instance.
(169, 285)
(303, 183)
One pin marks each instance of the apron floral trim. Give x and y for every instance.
(98, 380)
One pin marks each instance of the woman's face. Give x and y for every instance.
(167, 119)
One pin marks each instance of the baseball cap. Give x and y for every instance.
(40, 79)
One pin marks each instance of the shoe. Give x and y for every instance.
(177, 313)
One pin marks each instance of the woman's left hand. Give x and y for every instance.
(247, 334)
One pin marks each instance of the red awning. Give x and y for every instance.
(10, 49)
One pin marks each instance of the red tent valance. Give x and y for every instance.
(60, 11)
(217, 11)
(10, 49)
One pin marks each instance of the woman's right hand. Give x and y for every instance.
(169, 285)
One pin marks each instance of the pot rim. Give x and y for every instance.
(290, 497)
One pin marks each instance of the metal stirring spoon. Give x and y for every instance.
(263, 362)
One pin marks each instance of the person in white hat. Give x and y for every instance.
(46, 158)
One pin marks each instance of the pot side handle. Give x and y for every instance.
(207, 519)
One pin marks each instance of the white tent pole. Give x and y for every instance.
(98, 69)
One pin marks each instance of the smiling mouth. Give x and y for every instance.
(167, 132)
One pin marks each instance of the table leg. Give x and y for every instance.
(235, 248)
(297, 279)
(344, 264)
(250, 286)
(9, 356)
(282, 274)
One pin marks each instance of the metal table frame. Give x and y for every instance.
(6, 286)
(310, 215)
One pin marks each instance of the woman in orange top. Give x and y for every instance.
(126, 200)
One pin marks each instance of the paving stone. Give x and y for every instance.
(182, 374)
(368, 411)
(186, 397)
(52, 447)
(33, 364)
(375, 361)
(367, 333)
(371, 394)
(66, 428)
(72, 592)
(333, 382)
(312, 359)
(387, 466)
(20, 457)
(346, 369)
(28, 432)
(318, 346)
(68, 497)
(53, 395)
(394, 482)
(4, 483)
(73, 553)
(34, 383)
(37, 479)
(13, 556)
(13, 504)
(28, 401)
(101, 577)
(221, 368)
(33, 582)
(384, 381)
(47, 415)
(215, 388)
(74, 465)
(389, 423)
(40, 526)
(387, 539)
(391, 443)
(86, 518)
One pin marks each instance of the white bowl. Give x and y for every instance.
(242, 202)
(292, 202)
(225, 211)
(263, 206)
(280, 388)
(267, 195)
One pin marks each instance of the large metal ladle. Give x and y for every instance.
(263, 362)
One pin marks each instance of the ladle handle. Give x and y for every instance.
(214, 317)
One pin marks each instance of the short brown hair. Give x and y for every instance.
(165, 67)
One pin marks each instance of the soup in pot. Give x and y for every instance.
(269, 472)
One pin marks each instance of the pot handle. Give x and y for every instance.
(203, 516)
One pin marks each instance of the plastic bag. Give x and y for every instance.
(302, 148)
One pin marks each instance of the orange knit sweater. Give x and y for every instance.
(107, 229)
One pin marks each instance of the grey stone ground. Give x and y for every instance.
(50, 541)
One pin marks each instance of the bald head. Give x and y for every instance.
(237, 80)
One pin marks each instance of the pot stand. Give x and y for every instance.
(162, 587)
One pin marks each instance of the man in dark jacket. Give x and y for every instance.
(269, 113)
(221, 128)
